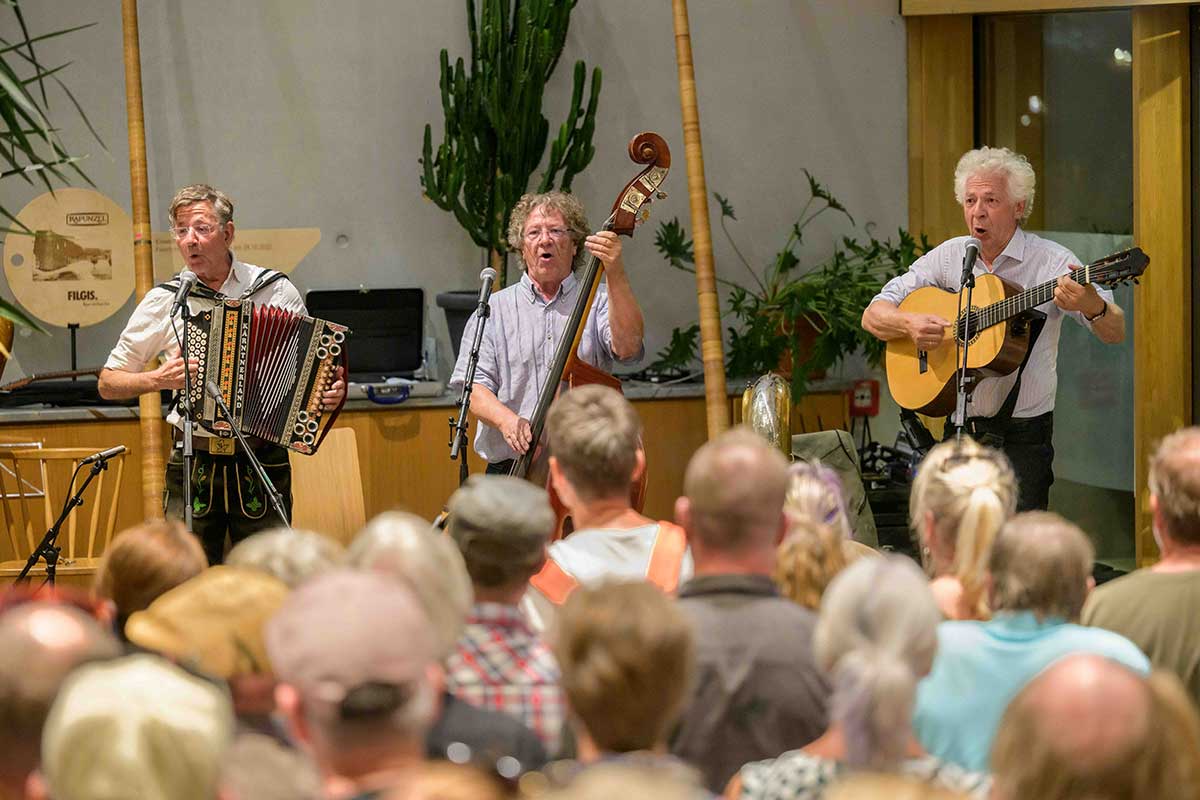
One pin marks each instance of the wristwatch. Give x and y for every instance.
(1103, 311)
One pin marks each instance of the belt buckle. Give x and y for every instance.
(218, 446)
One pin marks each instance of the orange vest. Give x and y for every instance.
(666, 560)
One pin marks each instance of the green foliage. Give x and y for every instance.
(682, 351)
(495, 133)
(786, 297)
(30, 147)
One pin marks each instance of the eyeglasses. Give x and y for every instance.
(533, 234)
(203, 230)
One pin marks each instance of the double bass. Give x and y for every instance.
(568, 369)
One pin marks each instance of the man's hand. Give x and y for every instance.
(517, 432)
(606, 246)
(926, 330)
(1071, 296)
(170, 374)
(332, 397)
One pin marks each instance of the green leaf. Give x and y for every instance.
(671, 240)
(726, 207)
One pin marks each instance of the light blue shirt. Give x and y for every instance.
(981, 666)
(517, 350)
(1027, 261)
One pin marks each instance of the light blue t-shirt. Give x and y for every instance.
(981, 666)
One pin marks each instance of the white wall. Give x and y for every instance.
(311, 114)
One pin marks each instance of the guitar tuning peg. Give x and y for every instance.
(661, 195)
(1136, 282)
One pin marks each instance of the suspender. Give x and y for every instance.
(666, 561)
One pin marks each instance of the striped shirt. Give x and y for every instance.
(502, 665)
(518, 346)
(1027, 261)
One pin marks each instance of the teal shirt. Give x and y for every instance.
(981, 666)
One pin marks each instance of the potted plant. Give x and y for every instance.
(495, 133)
(789, 316)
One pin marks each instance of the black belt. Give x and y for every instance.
(1014, 430)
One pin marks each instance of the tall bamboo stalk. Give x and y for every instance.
(711, 351)
(149, 405)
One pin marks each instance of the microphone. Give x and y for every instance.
(187, 282)
(104, 455)
(488, 275)
(213, 390)
(973, 246)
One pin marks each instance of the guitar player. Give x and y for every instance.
(995, 187)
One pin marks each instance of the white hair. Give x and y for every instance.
(291, 554)
(876, 637)
(998, 160)
(407, 547)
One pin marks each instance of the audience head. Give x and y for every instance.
(733, 493)
(1041, 563)
(292, 555)
(40, 643)
(501, 525)
(961, 496)
(136, 727)
(625, 650)
(815, 493)
(1088, 728)
(355, 656)
(808, 560)
(596, 441)
(406, 547)
(876, 637)
(1175, 488)
(882, 786)
(145, 561)
(662, 781)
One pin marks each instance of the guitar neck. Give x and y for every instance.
(1042, 293)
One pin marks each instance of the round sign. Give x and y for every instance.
(77, 266)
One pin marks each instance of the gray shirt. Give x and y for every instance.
(1027, 261)
(757, 691)
(518, 346)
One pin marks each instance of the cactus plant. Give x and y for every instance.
(495, 133)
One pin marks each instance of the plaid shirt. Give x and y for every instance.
(502, 664)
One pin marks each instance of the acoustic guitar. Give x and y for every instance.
(924, 380)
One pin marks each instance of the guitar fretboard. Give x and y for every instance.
(1009, 307)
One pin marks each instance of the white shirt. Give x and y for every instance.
(1027, 261)
(150, 334)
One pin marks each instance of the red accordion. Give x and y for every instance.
(271, 366)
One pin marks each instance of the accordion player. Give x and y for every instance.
(271, 366)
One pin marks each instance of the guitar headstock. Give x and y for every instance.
(631, 206)
(1120, 268)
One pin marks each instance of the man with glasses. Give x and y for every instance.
(226, 492)
(528, 319)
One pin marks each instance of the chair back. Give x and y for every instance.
(327, 494)
(36, 482)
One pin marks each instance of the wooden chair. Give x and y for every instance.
(35, 484)
(327, 494)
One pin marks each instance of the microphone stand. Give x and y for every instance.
(965, 381)
(272, 493)
(458, 429)
(48, 548)
(189, 453)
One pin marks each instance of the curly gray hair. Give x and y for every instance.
(998, 160)
(566, 204)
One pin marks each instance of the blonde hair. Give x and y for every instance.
(1162, 759)
(881, 786)
(202, 193)
(1016, 169)
(970, 491)
(625, 650)
(876, 637)
(809, 558)
(146, 561)
(567, 205)
(292, 555)
(1175, 482)
(815, 492)
(1041, 563)
(594, 436)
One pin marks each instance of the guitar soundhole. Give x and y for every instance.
(976, 326)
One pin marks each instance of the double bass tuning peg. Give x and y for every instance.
(661, 195)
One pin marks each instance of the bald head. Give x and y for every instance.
(1175, 486)
(734, 490)
(1088, 727)
(40, 643)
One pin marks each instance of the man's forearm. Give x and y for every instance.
(625, 319)
(1110, 328)
(884, 320)
(117, 384)
(487, 408)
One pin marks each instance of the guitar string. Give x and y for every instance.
(1043, 293)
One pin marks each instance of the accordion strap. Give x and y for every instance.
(265, 279)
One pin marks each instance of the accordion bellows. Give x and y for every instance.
(271, 366)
